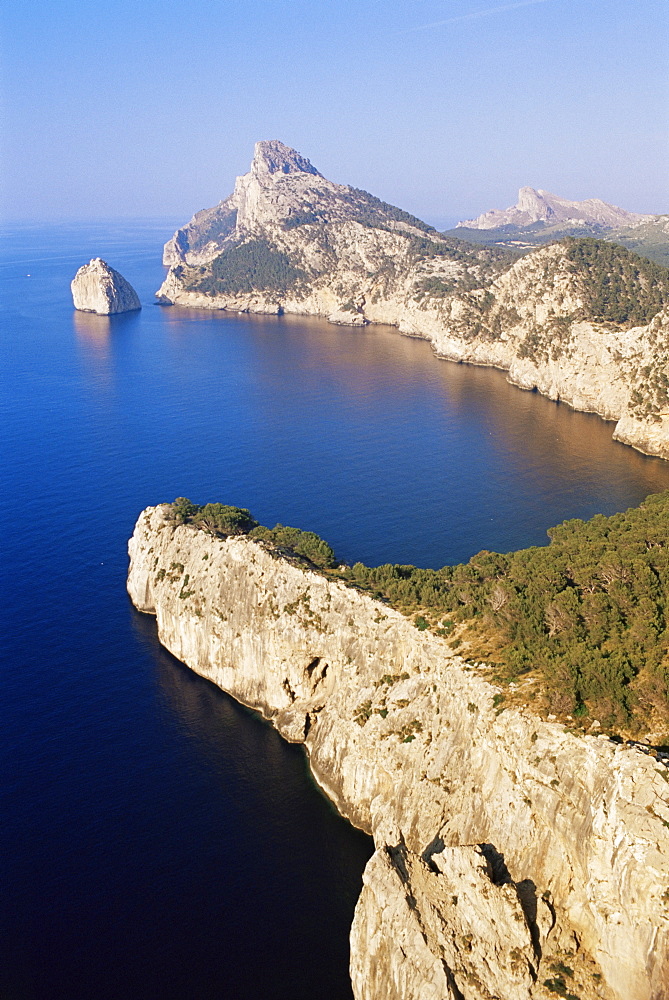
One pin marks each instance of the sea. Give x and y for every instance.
(159, 841)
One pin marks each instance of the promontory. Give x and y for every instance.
(584, 321)
(98, 288)
(516, 858)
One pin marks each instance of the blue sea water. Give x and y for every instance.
(159, 841)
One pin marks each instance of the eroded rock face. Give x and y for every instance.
(482, 943)
(98, 288)
(555, 847)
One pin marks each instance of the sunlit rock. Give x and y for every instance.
(98, 288)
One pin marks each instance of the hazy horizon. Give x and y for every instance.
(443, 107)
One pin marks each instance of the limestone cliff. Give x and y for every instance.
(576, 323)
(541, 206)
(98, 288)
(513, 859)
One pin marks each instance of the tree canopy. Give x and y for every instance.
(222, 519)
(587, 614)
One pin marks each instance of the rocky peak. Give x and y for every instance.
(536, 205)
(272, 157)
(274, 185)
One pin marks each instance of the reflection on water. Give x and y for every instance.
(391, 453)
(91, 328)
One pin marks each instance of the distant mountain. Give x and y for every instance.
(541, 206)
(581, 320)
(540, 218)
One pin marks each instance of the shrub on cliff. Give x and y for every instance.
(588, 614)
(306, 544)
(219, 518)
(222, 519)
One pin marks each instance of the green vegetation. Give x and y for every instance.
(306, 544)
(490, 259)
(559, 987)
(308, 217)
(371, 211)
(586, 617)
(437, 288)
(247, 267)
(651, 398)
(650, 240)
(548, 340)
(619, 286)
(218, 518)
(584, 621)
(224, 520)
(354, 205)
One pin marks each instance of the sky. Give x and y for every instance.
(443, 107)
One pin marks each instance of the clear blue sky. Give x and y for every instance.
(444, 107)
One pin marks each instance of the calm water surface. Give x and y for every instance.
(159, 841)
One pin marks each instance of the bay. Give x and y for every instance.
(158, 840)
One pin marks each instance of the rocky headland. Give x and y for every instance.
(582, 321)
(98, 288)
(514, 859)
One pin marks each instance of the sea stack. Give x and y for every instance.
(98, 288)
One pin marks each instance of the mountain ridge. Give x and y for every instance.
(537, 205)
(582, 321)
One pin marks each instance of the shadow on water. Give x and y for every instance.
(282, 849)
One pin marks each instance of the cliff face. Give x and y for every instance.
(508, 850)
(289, 240)
(541, 206)
(98, 288)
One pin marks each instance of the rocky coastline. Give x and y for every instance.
(513, 858)
(290, 241)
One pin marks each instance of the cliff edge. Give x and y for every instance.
(513, 859)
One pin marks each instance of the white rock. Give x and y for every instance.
(342, 317)
(581, 823)
(98, 288)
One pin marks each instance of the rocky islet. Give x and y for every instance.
(98, 288)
